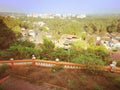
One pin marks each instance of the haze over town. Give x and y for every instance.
(59, 44)
(61, 6)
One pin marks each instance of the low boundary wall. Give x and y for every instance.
(49, 64)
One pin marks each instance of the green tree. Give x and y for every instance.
(88, 58)
(62, 54)
(17, 31)
(118, 27)
(25, 43)
(111, 29)
(7, 36)
(47, 48)
(23, 52)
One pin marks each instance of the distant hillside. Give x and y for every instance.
(11, 13)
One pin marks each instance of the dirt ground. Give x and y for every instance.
(38, 78)
(18, 84)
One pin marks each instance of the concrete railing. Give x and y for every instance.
(49, 64)
(41, 63)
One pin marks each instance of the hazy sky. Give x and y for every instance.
(61, 6)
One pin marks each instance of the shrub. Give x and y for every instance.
(88, 58)
(100, 51)
(118, 63)
(7, 36)
(82, 79)
(61, 54)
(83, 35)
(43, 28)
(117, 82)
(22, 52)
(97, 87)
(91, 40)
(57, 68)
(71, 84)
(47, 49)
(80, 45)
(24, 43)
(4, 55)
(3, 68)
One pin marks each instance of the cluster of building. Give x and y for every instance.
(62, 16)
(67, 39)
(110, 41)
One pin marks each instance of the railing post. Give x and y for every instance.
(57, 64)
(57, 60)
(12, 62)
(33, 62)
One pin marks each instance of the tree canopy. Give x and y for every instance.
(7, 34)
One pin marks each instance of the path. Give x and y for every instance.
(18, 84)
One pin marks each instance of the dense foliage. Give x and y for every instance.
(83, 51)
(7, 36)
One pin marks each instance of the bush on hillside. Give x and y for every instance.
(118, 63)
(47, 49)
(101, 52)
(117, 82)
(22, 52)
(5, 55)
(25, 43)
(61, 54)
(2, 68)
(88, 59)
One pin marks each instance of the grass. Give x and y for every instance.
(97, 87)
